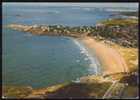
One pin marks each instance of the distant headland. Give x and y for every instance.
(121, 31)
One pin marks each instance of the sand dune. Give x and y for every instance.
(110, 59)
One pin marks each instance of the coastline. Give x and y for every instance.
(111, 61)
(94, 66)
(102, 50)
(117, 57)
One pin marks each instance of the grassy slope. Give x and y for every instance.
(120, 22)
(16, 91)
(91, 89)
(130, 55)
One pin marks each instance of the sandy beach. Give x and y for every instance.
(110, 59)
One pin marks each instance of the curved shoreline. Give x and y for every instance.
(94, 62)
(112, 63)
(110, 59)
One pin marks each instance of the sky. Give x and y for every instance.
(134, 5)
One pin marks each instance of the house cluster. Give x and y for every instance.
(124, 35)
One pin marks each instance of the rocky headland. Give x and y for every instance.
(121, 31)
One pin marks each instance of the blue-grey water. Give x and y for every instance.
(40, 61)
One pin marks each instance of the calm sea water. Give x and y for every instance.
(40, 61)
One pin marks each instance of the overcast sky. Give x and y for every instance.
(135, 5)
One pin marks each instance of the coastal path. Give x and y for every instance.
(114, 91)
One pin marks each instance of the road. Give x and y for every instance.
(114, 91)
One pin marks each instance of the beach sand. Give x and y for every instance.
(110, 59)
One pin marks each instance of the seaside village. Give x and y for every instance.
(113, 30)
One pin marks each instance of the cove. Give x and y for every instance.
(40, 61)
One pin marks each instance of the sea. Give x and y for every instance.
(41, 61)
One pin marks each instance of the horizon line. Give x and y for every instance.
(124, 5)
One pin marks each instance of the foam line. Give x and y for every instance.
(94, 63)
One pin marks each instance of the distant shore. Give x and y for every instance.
(121, 31)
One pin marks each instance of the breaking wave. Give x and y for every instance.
(94, 63)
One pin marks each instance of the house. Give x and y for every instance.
(99, 25)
